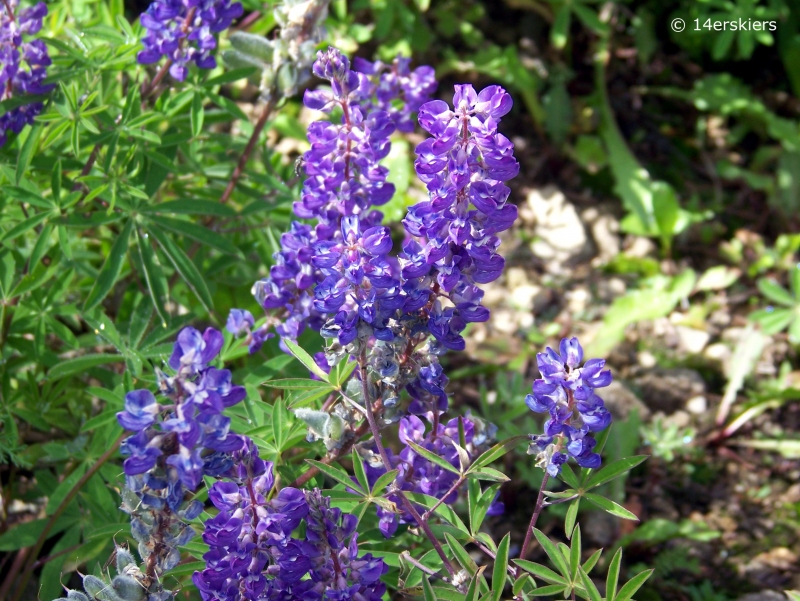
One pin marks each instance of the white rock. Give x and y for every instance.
(697, 405)
(691, 340)
(560, 235)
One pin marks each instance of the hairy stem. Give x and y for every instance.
(535, 517)
(453, 488)
(376, 435)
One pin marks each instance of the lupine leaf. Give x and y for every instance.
(569, 477)
(591, 589)
(185, 267)
(775, 292)
(359, 471)
(81, 364)
(611, 507)
(433, 457)
(500, 567)
(633, 585)
(550, 589)
(614, 469)
(572, 514)
(199, 233)
(297, 384)
(541, 571)
(154, 277)
(613, 576)
(306, 359)
(427, 589)
(497, 451)
(111, 267)
(575, 552)
(340, 476)
(552, 552)
(383, 481)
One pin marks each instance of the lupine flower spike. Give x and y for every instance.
(23, 64)
(566, 392)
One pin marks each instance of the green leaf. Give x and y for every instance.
(191, 206)
(443, 510)
(552, 552)
(383, 481)
(776, 293)
(589, 564)
(569, 477)
(575, 551)
(186, 267)
(27, 533)
(474, 586)
(27, 150)
(154, 277)
(199, 233)
(280, 423)
(24, 226)
(633, 585)
(106, 417)
(500, 567)
(461, 554)
(301, 355)
(433, 457)
(773, 320)
(550, 589)
(111, 267)
(342, 371)
(23, 195)
(497, 451)
(297, 384)
(591, 589)
(611, 507)
(490, 474)
(613, 470)
(196, 116)
(229, 76)
(572, 514)
(337, 474)
(427, 589)
(613, 576)
(359, 471)
(560, 29)
(541, 571)
(82, 364)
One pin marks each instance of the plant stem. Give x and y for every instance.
(407, 557)
(376, 435)
(534, 518)
(302, 479)
(27, 571)
(257, 129)
(453, 488)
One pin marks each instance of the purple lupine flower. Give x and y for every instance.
(253, 555)
(23, 64)
(464, 164)
(566, 392)
(183, 31)
(240, 321)
(417, 474)
(176, 444)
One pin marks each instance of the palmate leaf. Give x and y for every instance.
(185, 267)
(610, 506)
(433, 457)
(500, 567)
(337, 474)
(614, 470)
(497, 451)
(301, 355)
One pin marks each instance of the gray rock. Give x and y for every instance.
(668, 390)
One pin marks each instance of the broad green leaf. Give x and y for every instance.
(359, 471)
(497, 451)
(500, 567)
(199, 233)
(490, 474)
(337, 474)
(306, 359)
(591, 589)
(186, 267)
(633, 585)
(280, 423)
(776, 293)
(575, 551)
(569, 477)
(27, 533)
(427, 589)
(613, 576)
(63, 488)
(297, 384)
(154, 277)
(109, 272)
(24, 226)
(23, 195)
(27, 150)
(541, 571)
(82, 364)
(610, 506)
(572, 514)
(383, 481)
(552, 552)
(461, 554)
(433, 457)
(613, 470)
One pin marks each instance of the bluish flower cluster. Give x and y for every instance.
(240, 321)
(183, 31)
(398, 90)
(566, 392)
(254, 556)
(176, 443)
(339, 267)
(23, 64)
(464, 164)
(417, 474)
